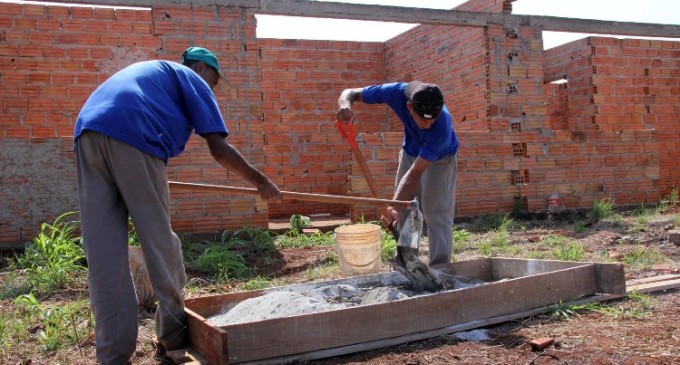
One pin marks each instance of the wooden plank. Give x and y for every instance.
(610, 278)
(652, 279)
(305, 333)
(663, 283)
(655, 286)
(504, 268)
(371, 345)
(209, 305)
(208, 340)
(412, 15)
(474, 269)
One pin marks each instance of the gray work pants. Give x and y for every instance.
(437, 198)
(116, 180)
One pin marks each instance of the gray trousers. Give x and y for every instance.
(116, 180)
(437, 198)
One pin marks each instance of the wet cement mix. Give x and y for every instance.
(304, 299)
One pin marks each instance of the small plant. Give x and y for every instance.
(671, 200)
(642, 258)
(388, 246)
(221, 263)
(602, 209)
(496, 245)
(637, 306)
(553, 240)
(257, 283)
(460, 235)
(255, 240)
(294, 239)
(325, 269)
(53, 256)
(676, 220)
(57, 325)
(579, 227)
(573, 252)
(563, 312)
(492, 222)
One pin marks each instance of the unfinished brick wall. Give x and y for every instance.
(53, 56)
(230, 33)
(302, 81)
(611, 131)
(622, 85)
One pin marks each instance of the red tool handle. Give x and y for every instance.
(349, 135)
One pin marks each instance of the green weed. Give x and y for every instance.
(221, 263)
(642, 258)
(55, 326)
(563, 312)
(294, 239)
(553, 240)
(254, 240)
(637, 306)
(52, 258)
(257, 283)
(573, 252)
(602, 209)
(388, 246)
(492, 222)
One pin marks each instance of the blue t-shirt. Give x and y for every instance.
(431, 144)
(153, 106)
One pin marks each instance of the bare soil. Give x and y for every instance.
(651, 336)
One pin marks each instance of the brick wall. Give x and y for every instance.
(611, 131)
(621, 85)
(51, 58)
(302, 81)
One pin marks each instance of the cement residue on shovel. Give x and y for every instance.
(308, 298)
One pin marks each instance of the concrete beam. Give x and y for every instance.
(322, 9)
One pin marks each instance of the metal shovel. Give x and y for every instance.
(407, 261)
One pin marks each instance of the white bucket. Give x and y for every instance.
(358, 247)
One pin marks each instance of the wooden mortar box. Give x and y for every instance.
(512, 285)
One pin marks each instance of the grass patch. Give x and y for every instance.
(53, 326)
(295, 239)
(642, 258)
(49, 261)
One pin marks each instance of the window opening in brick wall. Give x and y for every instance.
(516, 127)
(520, 177)
(512, 89)
(519, 149)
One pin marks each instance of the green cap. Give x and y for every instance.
(203, 55)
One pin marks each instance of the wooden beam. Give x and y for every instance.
(398, 14)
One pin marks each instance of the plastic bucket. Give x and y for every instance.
(358, 247)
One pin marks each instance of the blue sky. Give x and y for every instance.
(641, 11)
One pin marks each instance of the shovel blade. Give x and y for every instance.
(407, 261)
(411, 230)
(417, 272)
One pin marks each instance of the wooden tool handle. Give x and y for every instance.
(288, 195)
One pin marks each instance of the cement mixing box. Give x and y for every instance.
(329, 318)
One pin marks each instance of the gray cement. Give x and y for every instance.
(312, 298)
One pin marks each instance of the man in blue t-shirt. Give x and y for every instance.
(125, 133)
(427, 161)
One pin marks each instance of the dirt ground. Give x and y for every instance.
(585, 337)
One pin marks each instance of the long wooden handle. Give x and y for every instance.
(350, 136)
(289, 195)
